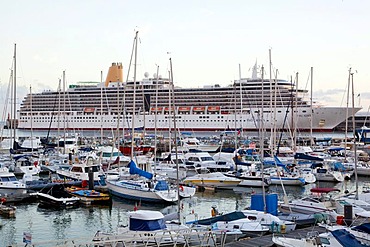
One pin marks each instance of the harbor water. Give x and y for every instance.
(48, 227)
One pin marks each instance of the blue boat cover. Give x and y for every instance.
(346, 239)
(225, 217)
(307, 157)
(135, 170)
(161, 185)
(365, 227)
(146, 225)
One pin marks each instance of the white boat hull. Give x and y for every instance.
(147, 195)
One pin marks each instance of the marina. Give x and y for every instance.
(79, 225)
(211, 190)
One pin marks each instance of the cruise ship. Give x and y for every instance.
(246, 104)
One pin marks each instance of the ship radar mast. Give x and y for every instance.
(255, 71)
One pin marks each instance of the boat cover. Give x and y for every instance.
(147, 225)
(135, 170)
(303, 156)
(323, 190)
(363, 228)
(161, 185)
(225, 217)
(346, 239)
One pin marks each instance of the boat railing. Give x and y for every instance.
(178, 237)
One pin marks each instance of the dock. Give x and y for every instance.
(266, 240)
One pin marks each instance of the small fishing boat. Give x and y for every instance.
(57, 197)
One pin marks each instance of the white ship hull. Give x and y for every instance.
(324, 119)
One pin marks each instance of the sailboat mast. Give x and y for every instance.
(347, 113)
(354, 134)
(64, 111)
(262, 141)
(241, 101)
(13, 121)
(134, 101)
(174, 126)
(311, 117)
(155, 117)
(31, 119)
(101, 108)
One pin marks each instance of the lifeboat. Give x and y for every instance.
(168, 109)
(156, 109)
(199, 108)
(213, 108)
(89, 109)
(184, 109)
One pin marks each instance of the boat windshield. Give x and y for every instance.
(94, 168)
(8, 179)
(207, 159)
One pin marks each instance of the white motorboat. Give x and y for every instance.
(361, 232)
(145, 227)
(9, 185)
(215, 180)
(203, 160)
(317, 202)
(80, 171)
(271, 221)
(328, 175)
(337, 238)
(111, 154)
(233, 221)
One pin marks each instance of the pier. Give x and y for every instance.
(266, 240)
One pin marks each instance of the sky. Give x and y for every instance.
(207, 41)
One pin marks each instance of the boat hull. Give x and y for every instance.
(116, 188)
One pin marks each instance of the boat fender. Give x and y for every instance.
(181, 188)
(283, 228)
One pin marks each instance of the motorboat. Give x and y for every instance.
(318, 202)
(10, 185)
(203, 160)
(337, 238)
(80, 171)
(57, 197)
(361, 231)
(274, 223)
(216, 180)
(146, 227)
(109, 154)
(25, 164)
(327, 174)
(233, 221)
